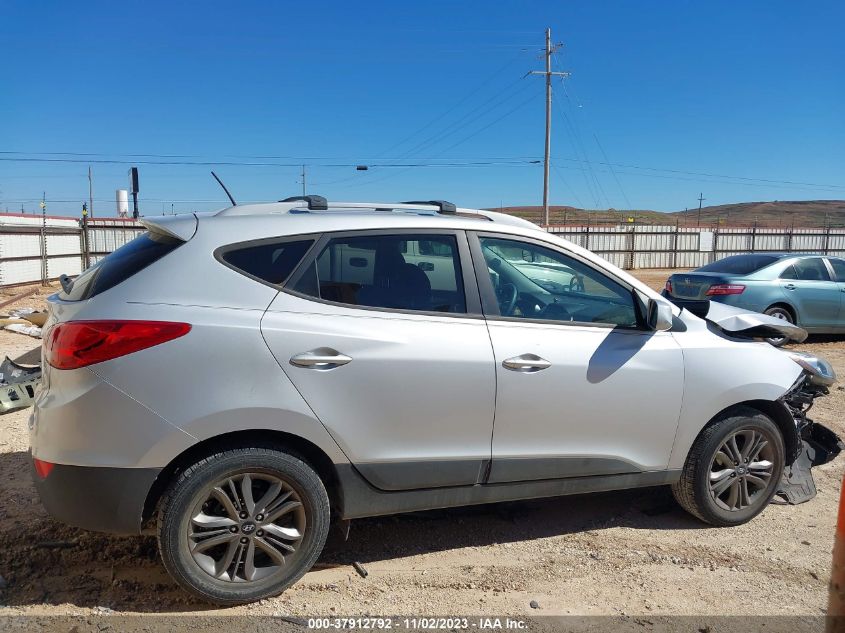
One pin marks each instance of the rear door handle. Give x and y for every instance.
(790, 286)
(526, 363)
(322, 358)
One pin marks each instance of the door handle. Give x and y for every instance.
(322, 358)
(790, 286)
(526, 363)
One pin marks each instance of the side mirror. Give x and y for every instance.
(659, 315)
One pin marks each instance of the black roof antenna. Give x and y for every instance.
(229, 195)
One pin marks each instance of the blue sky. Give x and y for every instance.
(666, 100)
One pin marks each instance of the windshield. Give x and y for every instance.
(739, 264)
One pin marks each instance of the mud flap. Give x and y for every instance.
(820, 445)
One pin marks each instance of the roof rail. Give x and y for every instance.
(442, 205)
(315, 203)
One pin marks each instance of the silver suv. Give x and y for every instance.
(240, 379)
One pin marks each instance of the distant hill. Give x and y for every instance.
(803, 213)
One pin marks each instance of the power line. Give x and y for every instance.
(296, 161)
(456, 105)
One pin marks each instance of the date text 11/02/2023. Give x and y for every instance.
(419, 623)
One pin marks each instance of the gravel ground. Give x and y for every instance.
(626, 553)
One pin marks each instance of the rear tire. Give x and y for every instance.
(779, 312)
(733, 469)
(243, 524)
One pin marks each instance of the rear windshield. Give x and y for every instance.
(739, 264)
(129, 259)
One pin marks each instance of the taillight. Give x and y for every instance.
(725, 289)
(669, 286)
(42, 468)
(80, 343)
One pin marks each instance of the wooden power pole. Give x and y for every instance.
(548, 74)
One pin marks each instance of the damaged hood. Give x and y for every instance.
(736, 320)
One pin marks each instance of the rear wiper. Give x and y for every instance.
(67, 283)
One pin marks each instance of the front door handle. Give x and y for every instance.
(526, 363)
(322, 358)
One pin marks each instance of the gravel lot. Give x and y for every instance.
(615, 553)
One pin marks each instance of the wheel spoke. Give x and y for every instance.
(223, 565)
(758, 482)
(733, 495)
(286, 533)
(249, 560)
(733, 449)
(749, 443)
(271, 550)
(273, 491)
(213, 541)
(208, 521)
(744, 497)
(246, 493)
(275, 503)
(722, 485)
(719, 475)
(764, 466)
(723, 459)
(282, 510)
(235, 498)
(220, 495)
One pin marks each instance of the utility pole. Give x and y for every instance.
(303, 180)
(548, 74)
(90, 193)
(701, 199)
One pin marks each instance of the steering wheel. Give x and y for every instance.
(507, 295)
(576, 284)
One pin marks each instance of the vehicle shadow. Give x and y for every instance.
(45, 562)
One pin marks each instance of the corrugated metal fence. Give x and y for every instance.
(666, 246)
(37, 248)
(34, 248)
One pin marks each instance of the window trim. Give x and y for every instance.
(491, 304)
(220, 251)
(468, 279)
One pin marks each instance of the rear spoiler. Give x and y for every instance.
(182, 227)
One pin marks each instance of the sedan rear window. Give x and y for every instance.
(119, 266)
(739, 264)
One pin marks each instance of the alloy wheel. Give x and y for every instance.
(741, 469)
(246, 528)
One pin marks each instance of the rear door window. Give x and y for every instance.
(398, 272)
(120, 265)
(810, 269)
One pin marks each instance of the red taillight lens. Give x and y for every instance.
(669, 286)
(42, 468)
(80, 343)
(725, 289)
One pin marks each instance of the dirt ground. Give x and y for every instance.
(631, 552)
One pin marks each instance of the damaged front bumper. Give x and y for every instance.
(814, 444)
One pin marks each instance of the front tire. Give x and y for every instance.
(779, 313)
(733, 469)
(243, 524)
